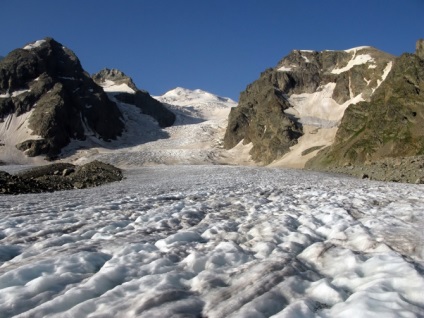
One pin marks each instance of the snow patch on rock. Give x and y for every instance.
(356, 60)
(34, 45)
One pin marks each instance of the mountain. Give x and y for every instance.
(47, 100)
(121, 88)
(390, 124)
(194, 138)
(294, 109)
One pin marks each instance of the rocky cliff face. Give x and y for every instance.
(44, 81)
(390, 124)
(125, 91)
(294, 109)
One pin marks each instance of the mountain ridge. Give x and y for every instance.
(305, 94)
(48, 100)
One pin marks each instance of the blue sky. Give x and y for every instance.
(217, 45)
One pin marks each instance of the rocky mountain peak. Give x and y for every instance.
(47, 99)
(114, 75)
(420, 48)
(305, 94)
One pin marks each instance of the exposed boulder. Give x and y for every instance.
(46, 79)
(132, 95)
(59, 176)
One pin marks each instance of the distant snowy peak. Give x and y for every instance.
(197, 103)
(185, 97)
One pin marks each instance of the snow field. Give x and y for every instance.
(195, 138)
(215, 241)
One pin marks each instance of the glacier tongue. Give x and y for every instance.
(215, 241)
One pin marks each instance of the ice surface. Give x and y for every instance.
(215, 241)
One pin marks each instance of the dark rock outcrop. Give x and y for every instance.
(59, 176)
(259, 118)
(47, 78)
(389, 125)
(142, 99)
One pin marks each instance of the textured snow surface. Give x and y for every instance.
(215, 241)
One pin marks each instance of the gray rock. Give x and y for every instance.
(420, 49)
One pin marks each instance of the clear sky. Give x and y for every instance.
(217, 45)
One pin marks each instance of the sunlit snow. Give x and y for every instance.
(285, 69)
(358, 48)
(215, 241)
(356, 60)
(34, 45)
(14, 93)
(111, 86)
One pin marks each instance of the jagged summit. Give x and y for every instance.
(107, 77)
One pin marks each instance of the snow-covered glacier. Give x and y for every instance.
(215, 241)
